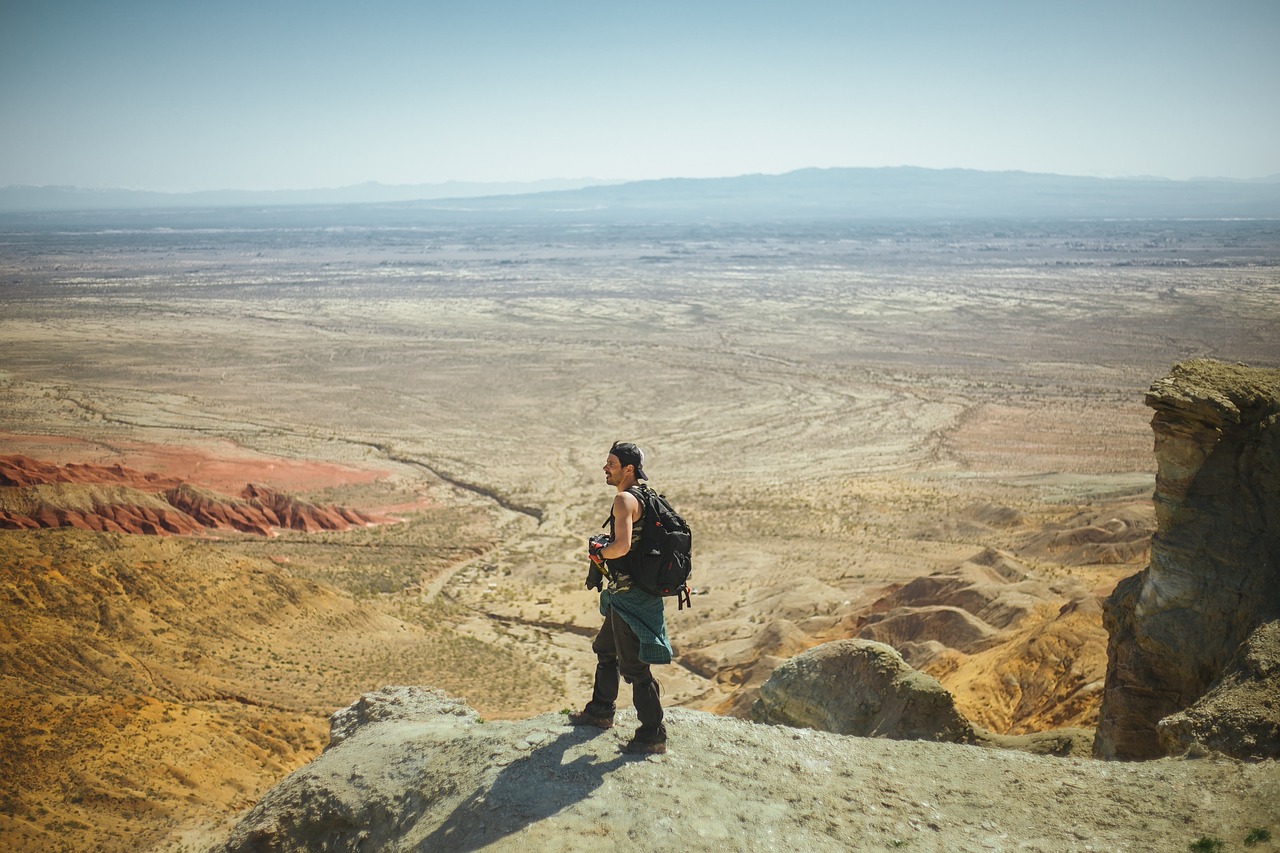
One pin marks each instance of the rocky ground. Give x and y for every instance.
(414, 770)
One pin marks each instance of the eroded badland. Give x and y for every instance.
(838, 410)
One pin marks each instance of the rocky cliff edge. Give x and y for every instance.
(1194, 634)
(412, 769)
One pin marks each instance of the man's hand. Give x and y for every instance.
(595, 547)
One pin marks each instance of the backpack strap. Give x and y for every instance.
(640, 493)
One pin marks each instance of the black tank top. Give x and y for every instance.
(620, 567)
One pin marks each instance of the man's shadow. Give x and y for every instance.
(529, 789)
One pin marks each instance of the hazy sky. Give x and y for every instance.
(178, 95)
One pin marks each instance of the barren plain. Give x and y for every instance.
(837, 408)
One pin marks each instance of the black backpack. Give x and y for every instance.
(662, 561)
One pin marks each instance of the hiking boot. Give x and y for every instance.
(586, 718)
(637, 746)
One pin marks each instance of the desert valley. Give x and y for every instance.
(254, 466)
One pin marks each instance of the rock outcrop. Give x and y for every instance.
(1238, 716)
(411, 769)
(19, 470)
(864, 688)
(116, 499)
(1214, 577)
(105, 508)
(860, 687)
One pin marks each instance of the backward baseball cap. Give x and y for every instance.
(629, 454)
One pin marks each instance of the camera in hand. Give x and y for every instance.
(596, 571)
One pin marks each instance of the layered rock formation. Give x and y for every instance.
(19, 470)
(1119, 535)
(1020, 653)
(964, 608)
(1020, 649)
(859, 687)
(116, 499)
(1184, 633)
(747, 662)
(114, 509)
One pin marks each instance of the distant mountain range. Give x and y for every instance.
(899, 192)
(66, 198)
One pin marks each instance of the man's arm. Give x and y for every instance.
(625, 508)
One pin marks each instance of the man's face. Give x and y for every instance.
(613, 470)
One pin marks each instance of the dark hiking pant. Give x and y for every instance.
(618, 655)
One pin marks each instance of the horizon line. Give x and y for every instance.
(594, 181)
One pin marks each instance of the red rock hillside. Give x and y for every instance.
(114, 498)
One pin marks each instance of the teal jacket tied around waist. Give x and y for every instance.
(644, 613)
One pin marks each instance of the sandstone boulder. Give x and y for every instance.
(860, 687)
(1214, 576)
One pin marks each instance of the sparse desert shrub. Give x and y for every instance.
(1256, 836)
(1208, 844)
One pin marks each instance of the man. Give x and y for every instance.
(634, 634)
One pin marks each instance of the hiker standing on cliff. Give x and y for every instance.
(634, 634)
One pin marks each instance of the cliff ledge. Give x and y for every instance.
(1193, 633)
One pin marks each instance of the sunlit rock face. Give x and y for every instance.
(860, 687)
(1214, 576)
